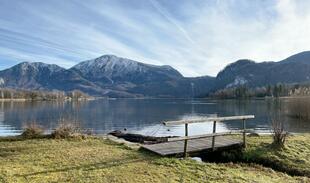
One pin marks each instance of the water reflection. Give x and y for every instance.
(144, 115)
(6, 129)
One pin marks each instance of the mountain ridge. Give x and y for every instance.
(114, 76)
(295, 68)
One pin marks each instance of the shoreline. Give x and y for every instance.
(19, 100)
(41, 100)
(152, 98)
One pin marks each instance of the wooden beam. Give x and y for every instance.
(200, 136)
(208, 119)
(213, 138)
(244, 133)
(195, 146)
(185, 142)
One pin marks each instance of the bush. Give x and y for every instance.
(66, 129)
(32, 130)
(278, 133)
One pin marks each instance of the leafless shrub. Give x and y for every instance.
(278, 132)
(88, 131)
(67, 129)
(32, 130)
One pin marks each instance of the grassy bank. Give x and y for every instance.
(294, 158)
(99, 160)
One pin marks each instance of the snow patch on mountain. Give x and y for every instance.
(36, 66)
(2, 82)
(110, 66)
(237, 82)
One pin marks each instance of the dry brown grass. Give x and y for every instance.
(67, 129)
(99, 160)
(32, 130)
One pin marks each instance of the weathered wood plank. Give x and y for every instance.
(193, 145)
(213, 138)
(244, 135)
(204, 136)
(208, 119)
(196, 143)
(185, 142)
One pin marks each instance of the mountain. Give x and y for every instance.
(114, 76)
(302, 57)
(121, 76)
(294, 69)
(108, 75)
(41, 76)
(111, 69)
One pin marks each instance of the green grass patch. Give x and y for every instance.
(294, 158)
(98, 160)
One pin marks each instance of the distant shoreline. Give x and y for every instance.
(26, 100)
(141, 98)
(19, 100)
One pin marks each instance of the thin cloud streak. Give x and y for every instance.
(195, 37)
(170, 19)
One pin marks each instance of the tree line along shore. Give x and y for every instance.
(238, 92)
(276, 91)
(23, 95)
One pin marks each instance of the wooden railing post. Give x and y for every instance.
(185, 141)
(213, 138)
(244, 133)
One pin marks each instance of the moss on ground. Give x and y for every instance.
(99, 160)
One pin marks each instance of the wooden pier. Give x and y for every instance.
(188, 145)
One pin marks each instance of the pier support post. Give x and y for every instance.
(244, 133)
(213, 138)
(185, 141)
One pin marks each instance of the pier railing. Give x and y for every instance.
(215, 120)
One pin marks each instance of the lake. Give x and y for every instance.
(145, 116)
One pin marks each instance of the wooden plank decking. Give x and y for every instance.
(200, 143)
(193, 146)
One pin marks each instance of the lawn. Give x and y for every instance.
(100, 160)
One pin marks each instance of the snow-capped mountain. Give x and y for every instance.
(29, 75)
(125, 77)
(41, 76)
(110, 69)
(107, 75)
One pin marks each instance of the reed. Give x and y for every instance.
(299, 108)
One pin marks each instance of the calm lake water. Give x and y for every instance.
(145, 116)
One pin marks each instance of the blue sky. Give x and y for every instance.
(197, 37)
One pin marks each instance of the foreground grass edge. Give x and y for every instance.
(36, 158)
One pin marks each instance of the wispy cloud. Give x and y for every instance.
(29, 57)
(172, 20)
(196, 37)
